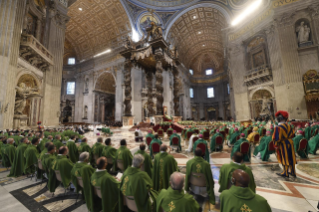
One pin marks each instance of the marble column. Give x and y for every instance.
(119, 95)
(176, 90)
(128, 88)
(38, 30)
(102, 109)
(159, 81)
(11, 19)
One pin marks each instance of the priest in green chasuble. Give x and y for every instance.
(137, 184)
(212, 141)
(164, 166)
(227, 169)
(64, 165)
(199, 165)
(109, 186)
(202, 141)
(240, 197)
(17, 168)
(109, 152)
(174, 198)
(233, 137)
(84, 147)
(261, 151)
(155, 140)
(148, 164)
(75, 172)
(123, 154)
(31, 155)
(313, 144)
(296, 141)
(57, 141)
(73, 149)
(47, 162)
(236, 147)
(98, 147)
(307, 132)
(9, 153)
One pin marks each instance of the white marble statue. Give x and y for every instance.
(303, 33)
(23, 93)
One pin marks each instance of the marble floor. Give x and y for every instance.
(297, 195)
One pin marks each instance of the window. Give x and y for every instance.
(70, 88)
(191, 93)
(71, 61)
(228, 88)
(191, 71)
(210, 93)
(209, 71)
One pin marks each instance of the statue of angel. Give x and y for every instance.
(23, 93)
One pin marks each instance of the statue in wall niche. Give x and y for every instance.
(264, 106)
(85, 111)
(86, 85)
(154, 31)
(22, 94)
(303, 33)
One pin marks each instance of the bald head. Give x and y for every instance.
(177, 181)
(10, 140)
(163, 147)
(101, 163)
(240, 178)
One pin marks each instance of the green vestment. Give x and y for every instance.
(236, 148)
(308, 133)
(107, 130)
(93, 202)
(17, 168)
(110, 190)
(9, 154)
(97, 149)
(43, 153)
(47, 163)
(263, 148)
(233, 137)
(149, 135)
(84, 147)
(154, 141)
(148, 165)
(170, 200)
(179, 140)
(164, 166)
(206, 148)
(199, 165)
(109, 152)
(260, 131)
(57, 144)
(296, 141)
(64, 165)
(124, 154)
(42, 144)
(73, 151)
(226, 172)
(242, 199)
(138, 184)
(313, 144)
(31, 155)
(212, 141)
(75, 172)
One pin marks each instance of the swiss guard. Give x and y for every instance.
(282, 138)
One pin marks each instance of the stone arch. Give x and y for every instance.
(223, 10)
(31, 74)
(269, 89)
(106, 76)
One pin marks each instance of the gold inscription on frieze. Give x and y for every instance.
(279, 3)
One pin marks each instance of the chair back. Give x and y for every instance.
(195, 139)
(58, 175)
(198, 179)
(80, 181)
(249, 131)
(271, 146)
(218, 140)
(263, 132)
(136, 134)
(237, 138)
(97, 191)
(175, 141)
(120, 164)
(226, 130)
(155, 148)
(160, 133)
(169, 133)
(244, 148)
(223, 133)
(303, 144)
(206, 135)
(130, 202)
(202, 146)
(189, 134)
(148, 140)
(196, 131)
(40, 166)
(256, 138)
(109, 160)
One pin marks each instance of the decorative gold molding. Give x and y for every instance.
(203, 81)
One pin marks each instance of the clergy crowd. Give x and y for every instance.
(110, 179)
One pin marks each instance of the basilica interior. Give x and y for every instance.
(142, 63)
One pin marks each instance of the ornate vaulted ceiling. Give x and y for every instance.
(105, 83)
(101, 24)
(198, 36)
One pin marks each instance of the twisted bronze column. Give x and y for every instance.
(150, 103)
(159, 81)
(128, 89)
